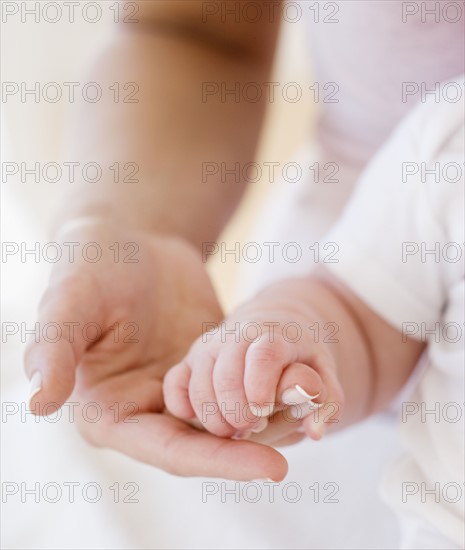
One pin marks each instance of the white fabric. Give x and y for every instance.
(417, 533)
(421, 289)
(380, 55)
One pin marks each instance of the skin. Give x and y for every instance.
(358, 374)
(169, 213)
(171, 53)
(115, 369)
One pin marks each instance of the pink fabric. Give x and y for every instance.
(369, 53)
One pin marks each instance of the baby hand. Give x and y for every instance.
(255, 363)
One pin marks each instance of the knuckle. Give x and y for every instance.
(266, 352)
(228, 385)
(171, 378)
(202, 402)
(204, 345)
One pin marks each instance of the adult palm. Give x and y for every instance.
(124, 320)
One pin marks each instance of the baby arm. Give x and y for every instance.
(229, 381)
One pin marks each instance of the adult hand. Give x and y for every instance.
(145, 300)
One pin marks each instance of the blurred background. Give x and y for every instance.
(33, 132)
(167, 512)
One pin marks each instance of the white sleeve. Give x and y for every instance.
(401, 241)
(401, 237)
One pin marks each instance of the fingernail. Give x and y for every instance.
(35, 385)
(319, 428)
(296, 396)
(266, 479)
(266, 410)
(261, 425)
(238, 436)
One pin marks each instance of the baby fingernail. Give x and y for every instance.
(296, 396)
(35, 385)
(266, 410)
(266, 479)
(261, 425)
(238, 436)
(318, 428)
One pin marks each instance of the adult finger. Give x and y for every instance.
(51, 359)
(170, 444)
